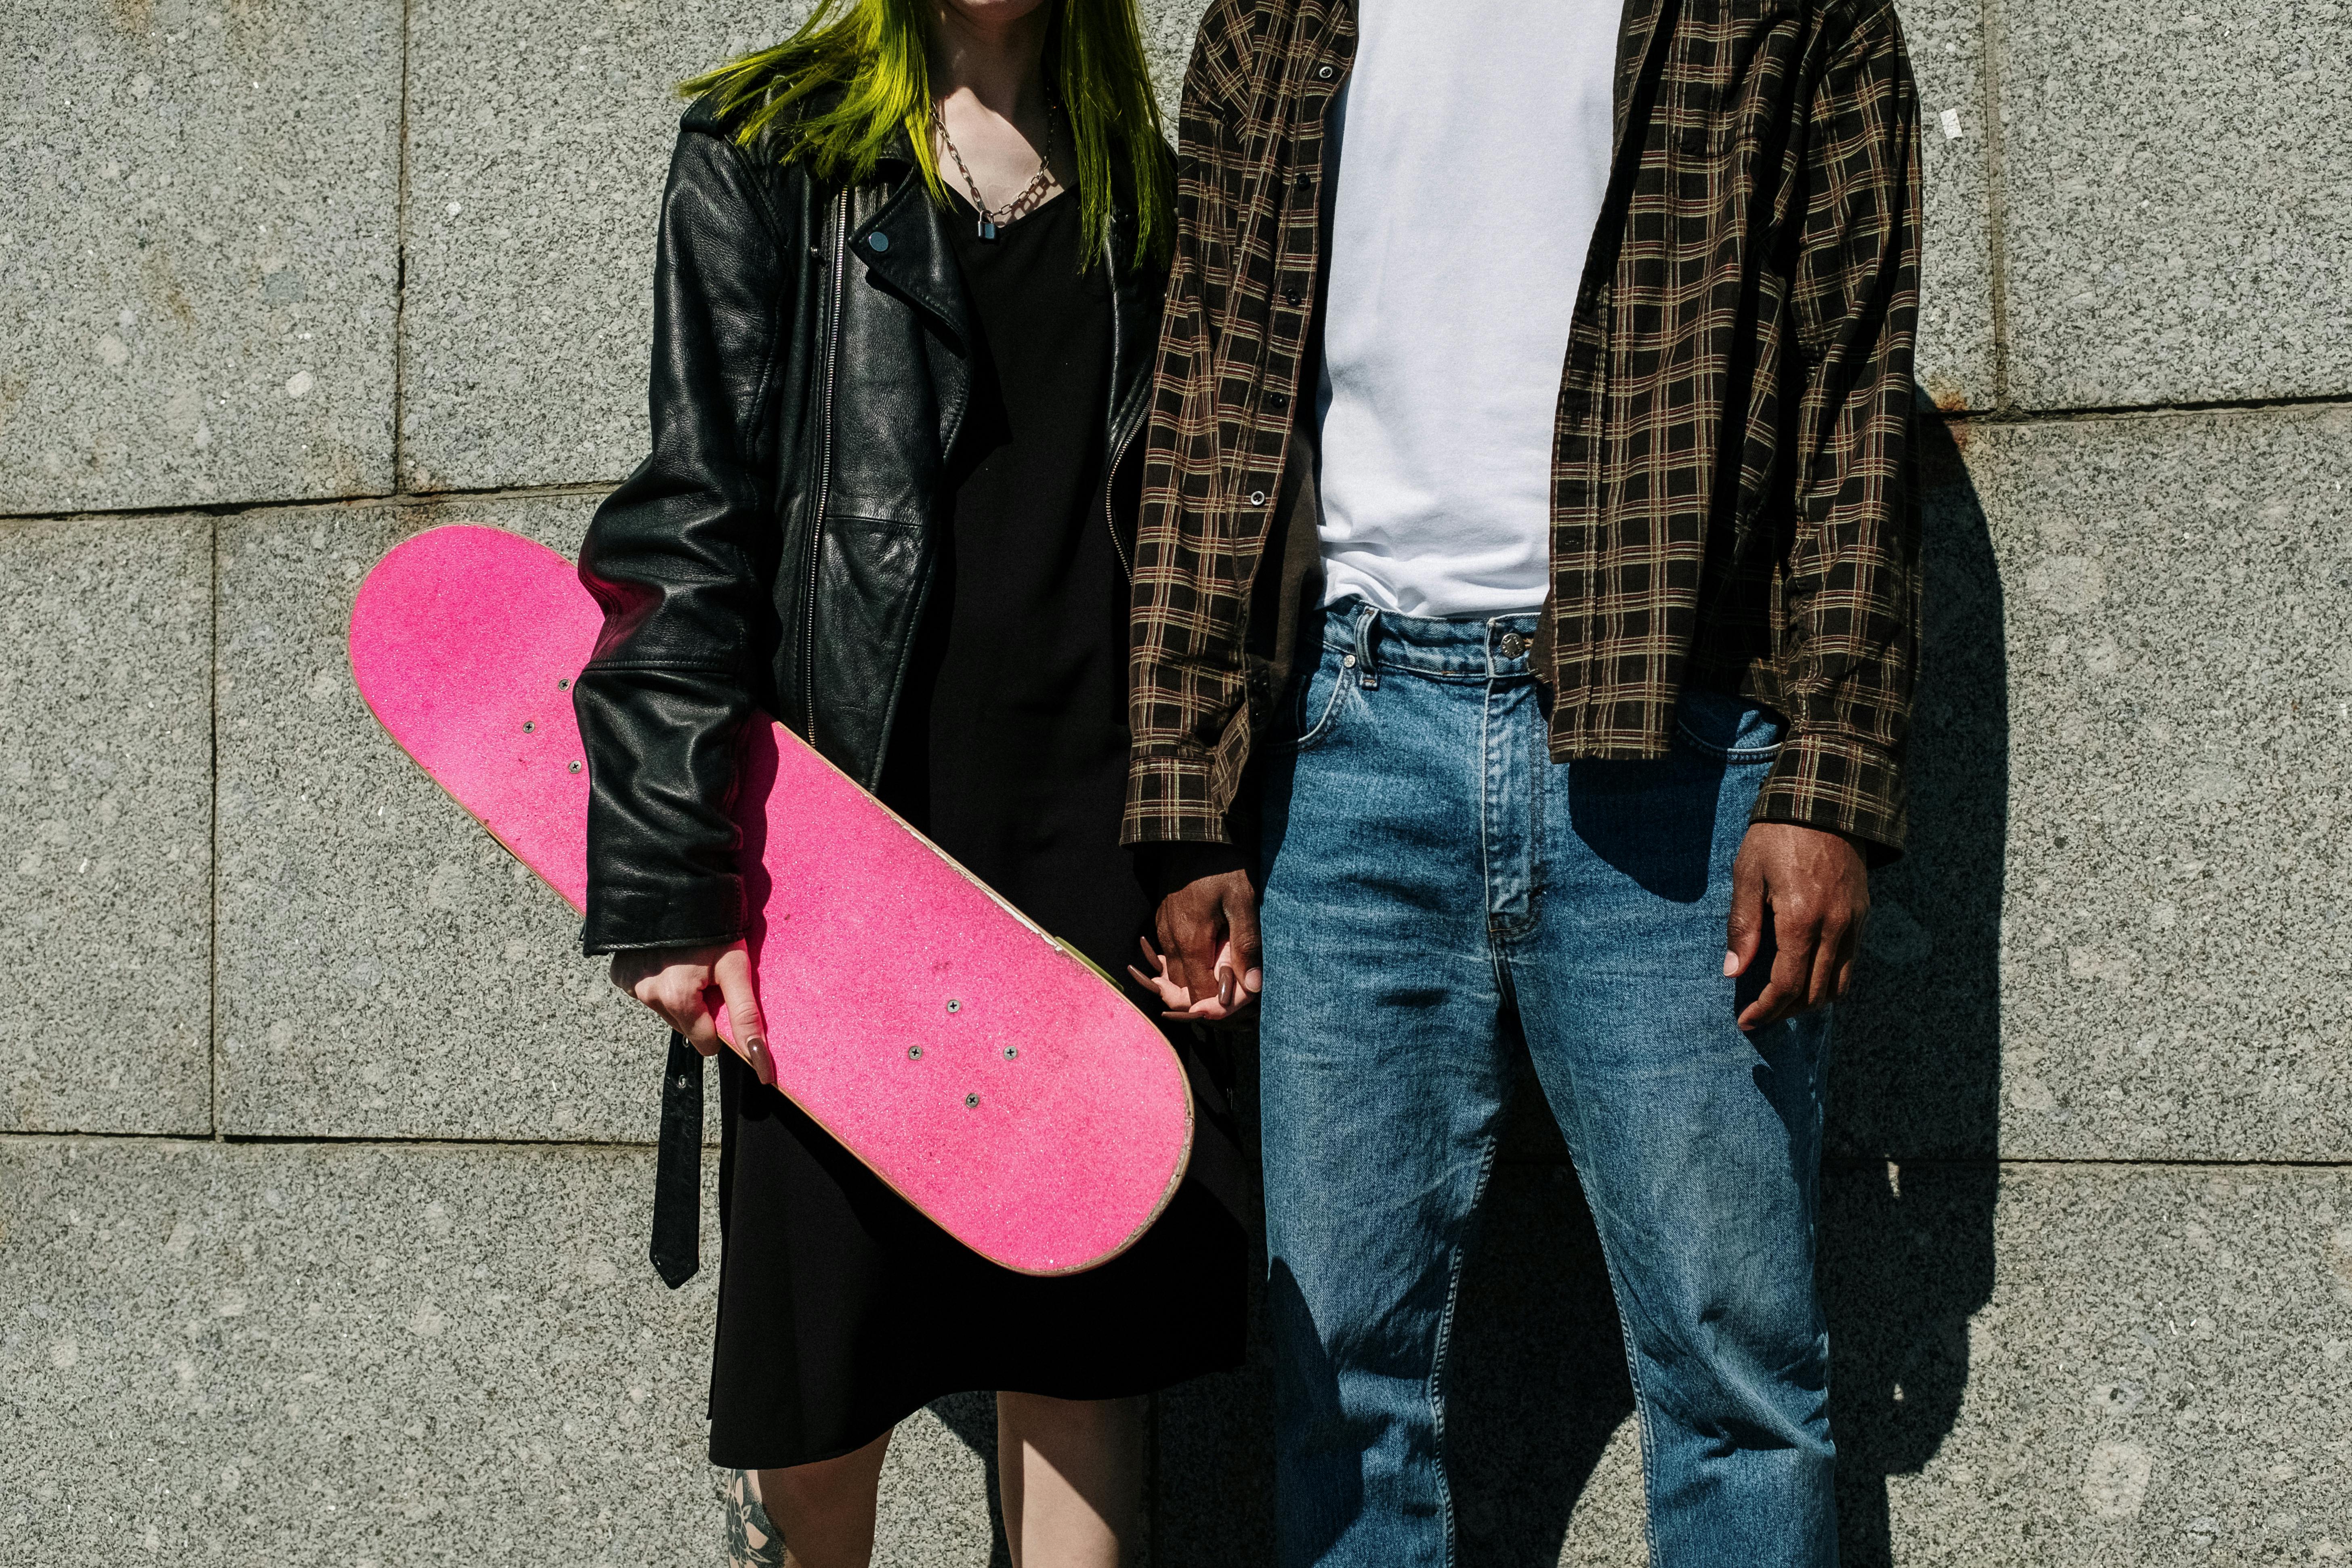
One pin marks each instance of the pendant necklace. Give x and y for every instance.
(1023, 202)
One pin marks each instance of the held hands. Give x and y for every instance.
(1175, 999)
(1816, 888)
(1207, 968)
(678, 984)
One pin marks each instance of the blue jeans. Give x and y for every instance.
(1427, 868)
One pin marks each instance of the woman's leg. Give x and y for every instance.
(825, 1511)
(1071, 1474)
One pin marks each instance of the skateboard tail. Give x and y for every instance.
(990, 1074)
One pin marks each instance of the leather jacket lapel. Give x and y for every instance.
(1135, 329)
(904, 242)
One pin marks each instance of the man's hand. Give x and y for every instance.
(675, 983)
(1816, 888)
(1208, 932)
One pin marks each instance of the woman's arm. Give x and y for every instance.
(669, 556)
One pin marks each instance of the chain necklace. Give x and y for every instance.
(1024, 201)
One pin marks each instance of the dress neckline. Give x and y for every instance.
(968, 214)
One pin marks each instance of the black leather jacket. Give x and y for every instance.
(811, 367)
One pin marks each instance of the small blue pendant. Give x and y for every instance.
(987, 229)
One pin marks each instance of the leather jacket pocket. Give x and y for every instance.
(872, 575)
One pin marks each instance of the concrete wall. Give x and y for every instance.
(323, 1163)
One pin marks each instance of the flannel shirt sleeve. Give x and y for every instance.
(1850, 598)
(1187, 684)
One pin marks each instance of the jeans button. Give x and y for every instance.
(1513, 645)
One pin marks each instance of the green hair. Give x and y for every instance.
(874, 52)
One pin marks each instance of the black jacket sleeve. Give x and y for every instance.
(671, 558)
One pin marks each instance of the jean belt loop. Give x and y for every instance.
(1368, 674)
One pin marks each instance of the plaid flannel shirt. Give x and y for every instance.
(1731, 501)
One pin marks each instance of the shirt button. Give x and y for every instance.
(1513, 645)
(1257, 497)
(879, 240)
(1323, 71)
(1290, 297)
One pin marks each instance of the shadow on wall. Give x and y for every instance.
(1539, 1382)
(1907, 1238)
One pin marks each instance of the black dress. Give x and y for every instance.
(842, 1310)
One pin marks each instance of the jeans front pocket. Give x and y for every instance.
(1316, 707)
(1730, 730)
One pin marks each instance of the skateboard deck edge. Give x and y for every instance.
(1184, 1160)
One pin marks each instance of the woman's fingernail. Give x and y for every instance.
(1730, 963)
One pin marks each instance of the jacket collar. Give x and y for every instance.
(903, 240)
(1135, 326)
(915, 256)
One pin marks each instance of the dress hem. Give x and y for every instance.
(1154, 1385)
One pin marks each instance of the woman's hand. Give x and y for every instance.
(676, 983)
(1208, 954)
(1176, 1000)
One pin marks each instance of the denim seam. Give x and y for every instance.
(1485, 820)
(1641, 1407)
(1538, 775)
(1368, 674)
(1578, 1139)
(1313, 735)
(1733, 754)
(1502, 930)
(1436, 1389)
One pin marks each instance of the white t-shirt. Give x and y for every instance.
(1474, 155)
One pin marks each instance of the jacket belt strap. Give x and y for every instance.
(678, 1168)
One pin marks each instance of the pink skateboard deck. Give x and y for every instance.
(989, 1074)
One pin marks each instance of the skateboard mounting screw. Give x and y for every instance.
(575, 768)
(914, 1053)
(954, 1006)
(1011, 1051)
(528, 725)
(970, 1100)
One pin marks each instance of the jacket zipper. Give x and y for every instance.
(1120, 444)
(1110, 492)
(824, 473)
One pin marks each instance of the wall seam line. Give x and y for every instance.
(322, 503)
(2005, 418)
(385, 1141)
(211, 829)
(418, 1140)
(400, 268)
